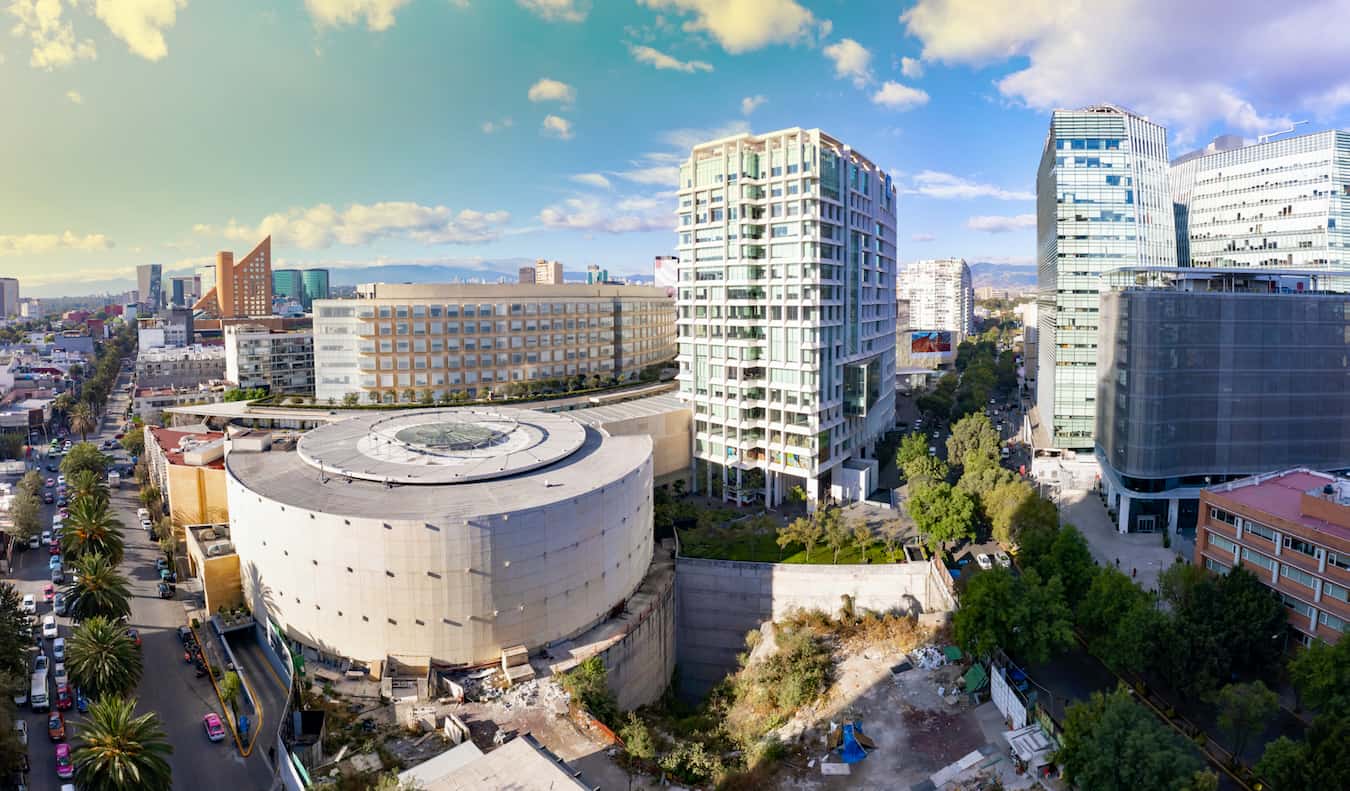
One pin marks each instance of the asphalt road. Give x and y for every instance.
(168, 686)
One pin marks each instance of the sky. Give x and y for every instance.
(466, 132)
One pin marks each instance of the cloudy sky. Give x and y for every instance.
(353, 131)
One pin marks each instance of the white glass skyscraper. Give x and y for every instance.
(940, 295)
(1282, 204)
(1102, 202)
(786, 304)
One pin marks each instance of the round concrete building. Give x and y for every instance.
(444, 534)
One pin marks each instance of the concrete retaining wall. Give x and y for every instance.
(718, 601)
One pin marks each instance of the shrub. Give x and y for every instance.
(637, 738)
(588, 685)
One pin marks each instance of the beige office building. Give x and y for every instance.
(472, 339)
(548, 273)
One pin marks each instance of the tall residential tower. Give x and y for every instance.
(786, 313)
(940, 295)
(1102, 203)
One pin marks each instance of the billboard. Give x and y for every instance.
(922, 342)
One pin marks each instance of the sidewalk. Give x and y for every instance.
(1139, 553)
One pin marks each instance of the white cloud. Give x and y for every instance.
(557, 10)
(684, 139)
(1000, 223)
(752, 103)
(491, 127)
(33, 243)
(746, 25)
(53, 37)
(75, 97)
(911, 67)
(140, 23)
(549, 90)
(592, 180)
(323, 225)
(662, 168)
(378, 14)
(644, 54)
(623, 215)
(851, 60)
(899, 97)
(1187, 65)
(643, 173)
(555, 126)
(922, 237)
(936, 184)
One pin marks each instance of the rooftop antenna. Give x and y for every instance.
(1268, 135)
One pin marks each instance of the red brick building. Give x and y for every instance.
(1292, 529)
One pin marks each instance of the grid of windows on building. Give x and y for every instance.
(381, 347)
(786, 294)
(1102, 203)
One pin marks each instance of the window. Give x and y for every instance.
(1261, 530)
(1297, 606)
(1297, 575)
(1220, 515)
(1330, 621)
(1257, 559)
(1219, 541)
(1299, 545)
(1215, 566)
(1336, 591)
(1340, 560)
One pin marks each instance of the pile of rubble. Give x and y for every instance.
(489, 686)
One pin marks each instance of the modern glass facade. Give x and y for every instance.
(316, 285)
(1215, 384)
(288, 283)
(1102, 202)
(787, 304)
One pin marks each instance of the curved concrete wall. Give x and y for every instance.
(452, 590)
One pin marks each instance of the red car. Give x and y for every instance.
(215, 729)
(55, 548)
(64, 700)
(49, 592)
(56, 726)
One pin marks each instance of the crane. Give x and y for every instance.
(1268, 135)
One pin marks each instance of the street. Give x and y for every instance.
(168, 685)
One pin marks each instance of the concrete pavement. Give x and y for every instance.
(168, 686)
(1140, 554)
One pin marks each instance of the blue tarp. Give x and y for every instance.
(849, 750)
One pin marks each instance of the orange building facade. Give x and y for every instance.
(1291, 529)
(244, 287)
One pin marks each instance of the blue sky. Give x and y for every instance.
(462, 131)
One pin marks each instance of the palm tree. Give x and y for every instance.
(102, 659)
(117, 751)
(87, 484)
(101, 591)
(82, 419)
(92, 529)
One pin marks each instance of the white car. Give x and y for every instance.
(60, 480)
(985, 562)
(1002, 559)
(145, 525)
(59, 674)
(22, 728)
(59, 649)
(49, 627)
(29, 604)
(46, 538)
(142, 514)
(932, 450)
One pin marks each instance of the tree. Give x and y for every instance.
(1285, 764)
(11, 446)
(942, 514)
(91, 529)
(802, 530)
(84, 456)
(588, 685)
(82, 420)
(1177, 584)
(1321, 675)
(1071, 560)
(87, 485)
(14, 660)
(973, 438)
(981, 477)
(861, 533)
(925, 471)
(134, 442)
(117, 751)
(836, 532)
(31, 483)
(102, 659)
(637, 738)
(409, 396)
(1119, 621)
(1111, 743)
(1244, 710)
(230, 688)
(26, 513)
(100, 592)
(1023, 615)
(1044, 619)
(892, 533)
(912, 446)
(351, 399)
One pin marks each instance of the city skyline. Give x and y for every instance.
(546, 155)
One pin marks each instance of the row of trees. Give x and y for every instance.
(981, 373)
(114, 748)
(829, 527)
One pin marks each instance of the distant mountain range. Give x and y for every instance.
(1002, 275)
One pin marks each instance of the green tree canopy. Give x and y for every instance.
(1321, 674)
(973, 439)
(941, 514)
(102, 659)
(83, 456)
(924, 471)
(1023, 615)
(1111, 743)
(100, 591)
(26, 513)
(92, 529)
(115, 750)
(1244, 710)
(912, 446)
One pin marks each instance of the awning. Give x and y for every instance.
(1030, 745)
(976, 678)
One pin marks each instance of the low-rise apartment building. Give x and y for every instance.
(189, 469)
(280, 362)
(149, 403)
(474, 339)
(187, 366)
(1291, 529)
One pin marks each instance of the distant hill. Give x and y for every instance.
(1002, 275)
(487, 272)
